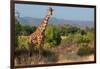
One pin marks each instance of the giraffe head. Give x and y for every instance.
(50, 11)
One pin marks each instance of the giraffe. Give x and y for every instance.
(37, 37)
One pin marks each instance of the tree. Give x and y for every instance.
(66, 29)
(27, 30)
(52, 36)
(18, 28)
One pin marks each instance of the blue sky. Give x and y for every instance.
(69, 13)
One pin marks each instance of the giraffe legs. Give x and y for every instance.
(30, 49)
(38, 55)
(40, 52)
(40, 43)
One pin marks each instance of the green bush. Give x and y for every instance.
(52, 36)
(77, 37)
(72, 38)
(26, 29)
(90, 36)
(47, 45)
(66, 29)
(22, 42)
(69, 39)
(83, 39)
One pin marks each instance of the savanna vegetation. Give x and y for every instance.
(63, 43)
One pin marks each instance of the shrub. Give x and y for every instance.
(77, 37)
(52, 36)
(72, 38)
(84, 51)
(26, 29)
(90, 36)
(47, 45)
(83, 39)
(69, 39)
(23, 42)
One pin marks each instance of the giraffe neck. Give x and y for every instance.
(43, 24)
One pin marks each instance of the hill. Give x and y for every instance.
(36, 21)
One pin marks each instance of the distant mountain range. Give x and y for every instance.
(36, 21)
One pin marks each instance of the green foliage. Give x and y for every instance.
(83, 32)
(17, 28)
(23, 42)
(52, 36)
(47, 45)
(26, 29)
(77, 37)
(17, 31)
(90, 36)
(69, 39)
(73, 29)
(67, 29)
(86, 38)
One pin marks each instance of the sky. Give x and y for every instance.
(61, 12)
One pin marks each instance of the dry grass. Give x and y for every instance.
(59, 54)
